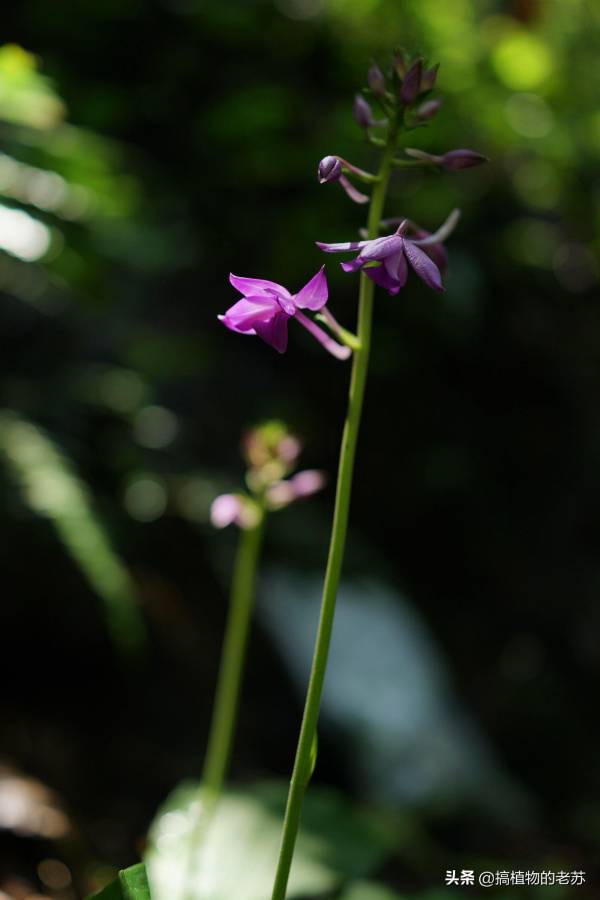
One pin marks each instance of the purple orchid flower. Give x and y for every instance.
(385, 260)
(267, 307)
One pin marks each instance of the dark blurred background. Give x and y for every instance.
(147, 149)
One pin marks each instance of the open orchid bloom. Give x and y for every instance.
(386, 260)
(267, 307)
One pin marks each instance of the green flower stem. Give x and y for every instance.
(303, 763)
(232, 661)
(413, 163)
(231, 666)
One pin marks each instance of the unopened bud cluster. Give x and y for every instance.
(402, 96)
(271, 453)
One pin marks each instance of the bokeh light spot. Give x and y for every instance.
(119, 389)
(532, 241)
(155, 427)
(22, 236)
(54, 874)
(522, 61)
(575, 267)
(145, 498)
(536, 181)
(529, 115)
(194, 498)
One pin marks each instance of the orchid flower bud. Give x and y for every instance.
(289, 449)
(428, 110)
(376, 80)
(330, 169)
(301, 485)
(362, 112)
(411, 85)
(429, 78)
(455, 160)
(400, 63)
(234, 509)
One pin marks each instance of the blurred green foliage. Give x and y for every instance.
(338, 843)
(130, 884)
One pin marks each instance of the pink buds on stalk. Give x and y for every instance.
(301, 485)
(271, 452)
(234, 509)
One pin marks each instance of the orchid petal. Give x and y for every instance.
(257, 286)
(341, 248)
(443, 232)
(353, 192)
(379, 275)
(244, 314)
(424, 267)
(274, 331)
(397, 268)
(353, 265)
(314, 293)
(381, 247)
(437, 252)
(338, 350)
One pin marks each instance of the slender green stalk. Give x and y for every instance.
(303, 763)
(222, 726)
(232, 661)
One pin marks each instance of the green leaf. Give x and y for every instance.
(51, 488)
(130, 884)
(234, 853)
